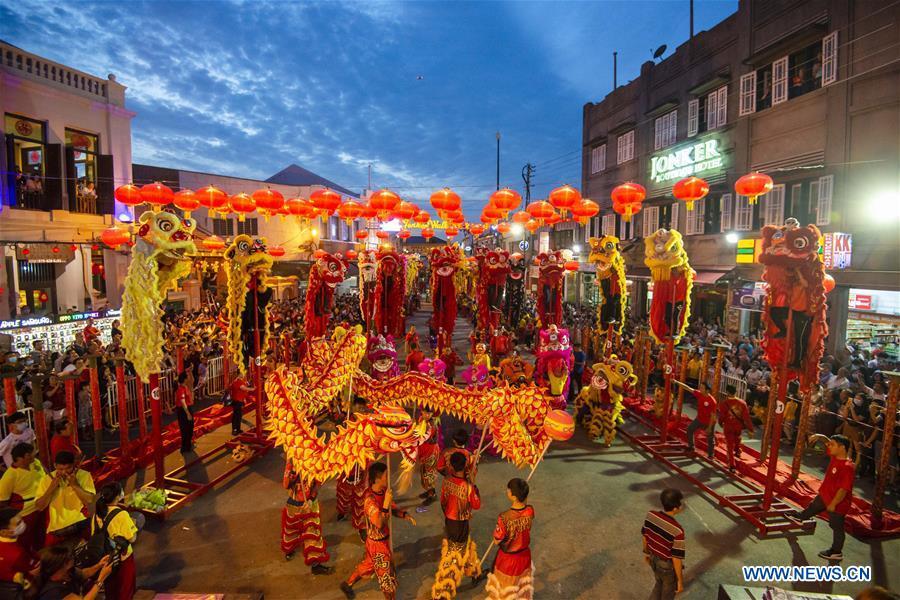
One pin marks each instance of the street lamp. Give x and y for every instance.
(731, 238)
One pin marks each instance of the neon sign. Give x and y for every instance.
(684, 162)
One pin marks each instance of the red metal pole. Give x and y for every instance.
(775, 435)
(9, 394)
(257, 361)
(287, 349)
(122, 393)
(667, 403)
(141, 407)
(96, 409)
(71, 410)
(179, 359)
(156, 417)
(226, 366)
(887, 447)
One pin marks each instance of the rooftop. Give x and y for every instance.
(294, 174)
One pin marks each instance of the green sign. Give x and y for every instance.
(695, 159)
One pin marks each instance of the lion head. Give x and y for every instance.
(367, 263)
(167, 239)
(551, 265)
(331, 268)
(517, 266)
(555, 351)
(382, 354)
(249, 255)
(605, 254)
(444, 261)
(389, 262)
(614, 375)
(789, 244)
(664, 251)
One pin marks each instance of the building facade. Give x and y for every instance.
(66, 146)
(806, 91)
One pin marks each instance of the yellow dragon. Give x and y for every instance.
(610, 281)
(603, 398)
(158, 260)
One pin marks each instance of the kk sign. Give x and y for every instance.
(695, 159)
(837, 250)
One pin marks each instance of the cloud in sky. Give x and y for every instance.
(416, 89)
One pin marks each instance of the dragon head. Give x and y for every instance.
(551, 266)
(614, 374)
(555, 351)
(789, 245)
(367, 263)
(331, 268)
(382, 354)
(604, 254)
(434, 368)
(249, 255)
(394, 430)
(517, 266)
(165, 238)
(664, 251)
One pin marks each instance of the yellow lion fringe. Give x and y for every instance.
(142, 332)
(455, 562)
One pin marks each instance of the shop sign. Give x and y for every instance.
(748, 251)
(885, 302)
(749, 297)
(38, 321)
(34, 157)
(694, 159)
(860, 302)
(29, 322)
(837, 250)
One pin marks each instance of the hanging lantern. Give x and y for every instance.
(381, 234)
(276, 251)
(213, 242)
(585, 210)
(492, 212)
(521, 217)
(27, 251)
(362, 234)
(564, 198)
(452, 232)
(539, 209)
(422, 217)
(368, 212)
(504, 227)
(427, 233)
(129, 194)
(445, 200)
(325, 200)
(43, 297)
(157, 195)
(349, 211)
(351, 254)
(486, 219)
(405, 210)
(268, 202)
(553, 219)
(506, 200)
(242, 204)
(456, 217)
(212, 198)
(112, 237)
(404, 234)
(571, 266)
(828, 283)
(55, 249)
(689, 190)
(186, 201)
(533, 225)
(97, 269)
(476, 229)
(73, 247)
(753, 185)
(300, 208)
(384, 202)
(627, 199)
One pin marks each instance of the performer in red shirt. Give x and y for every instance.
(301, 523)
(835, 494)
(706, 416)
(427, 459)
(459, 556)
(511, 576)
(460, 441)
(414, 357)
(90, 332)
(735, 418)
(240, 391)
(378, 560)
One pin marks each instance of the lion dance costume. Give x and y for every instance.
(444, 264)
(157, 261)
(796, 278)
(550, 287)
(382, 355)
(493, 269)
(390, 294)
(602, 399)
(673, 279)
(325, 275)
(248, 296)
(515, 290)
(367, 264)
(512, 577)
(610, 280)
(301, 523)
(555, 362)
(459, 555)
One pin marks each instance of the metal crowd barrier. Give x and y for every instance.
(28, 411)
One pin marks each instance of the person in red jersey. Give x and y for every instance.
(835, 494)
(459, 443)
(301, 523)
(427, 459)
(706, 416)
(512, 574)
(663, 541)
(459, 497)
(378, 560)
(735, 418)
(18, 565)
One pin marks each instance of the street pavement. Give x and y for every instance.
(590, 503)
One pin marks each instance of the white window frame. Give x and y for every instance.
(598, 159)
(608, 225)
(725, 213)
(696, 219)
(829, 58)
(743, 214)
(748, 94)
(627, 230)
(772, 206)
(675, 216)
(711, 104)
(780, 80)
(665, 129)
(722, 106)
(650, 222)
(625, 147)
(823, 202)
(693, 124)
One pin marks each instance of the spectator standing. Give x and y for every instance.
(90, 332)
(120, 528)
(62, 440)
(664, 547)
(18, 489)
(19, 432)
(184, 400)
(67, 492)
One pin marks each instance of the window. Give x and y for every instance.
(674, 216)
(332, 228)
(743, 214)
(772, 206)
(693, 116)
(25, 138)
(665, 130)
(84, 149)
(609, 225)
(823, 200)
(829, 59)
(721, 106)
(598, 158)
(626, 230)
(748, 94)
(223, 227)
(651, 220)
(780, 80)
(695, 218)
(248, 227)
(625, 147)
(725, 204)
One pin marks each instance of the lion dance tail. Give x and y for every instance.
(522, 588)
(456, 560)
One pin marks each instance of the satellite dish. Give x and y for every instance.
(659, 51)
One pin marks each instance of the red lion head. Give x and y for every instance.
(389, 261)
(331, 268)
(517, 266)
(444, 261)
(551, 265)
(789, 245)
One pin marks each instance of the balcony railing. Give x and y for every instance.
(28, 64)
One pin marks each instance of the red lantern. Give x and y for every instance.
(381, 234)
(325, 200)
(368, 212)
(521, 217)
(539, 209)
(476, 229)
(362, 234)
(456, 217)
(268, 202)
(384, 202)
(276, 251)
(129, 194)
(405, 210)
(553, 219)
(349, 211)
(506, 200)
(73, 247)
(211, 198)
(828, 283)
(300, 208)
(486, 219)
(422, 217)
(533, 225)
(157, 195)
(584, 210)
(95, 247)
(186, 201)
(26, 252)
(351, 254)
(491, 212)
(43, 297)
(112, 237)
(564, 198)
(503, 227)
(97, 269)
(571, 266)
(404, 234)
(55, 249)
(689, 190)
(213, 242)
(427, 233)
(627, 199)
(242, 204)
(445, 200)
(452, 232)
(753, 185)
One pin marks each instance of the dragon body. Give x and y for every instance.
(248, 267)
(610, 264)
(324, 276)
(551, 269)
(602, 399)
(158, 259)
(673, 280)
(390, 294)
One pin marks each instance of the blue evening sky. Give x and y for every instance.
(416, 89)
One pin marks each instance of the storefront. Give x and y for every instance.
(56, 331)
(873, 321)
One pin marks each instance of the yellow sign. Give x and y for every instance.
(748, 251)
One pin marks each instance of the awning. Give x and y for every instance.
(708, 277)
(742, 273)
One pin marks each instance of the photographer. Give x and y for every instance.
(60, 580)
(122, 532)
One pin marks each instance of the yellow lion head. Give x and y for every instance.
(166, 239)
(605, 254)
(249, 255)
(614, 374)
(664, 251)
